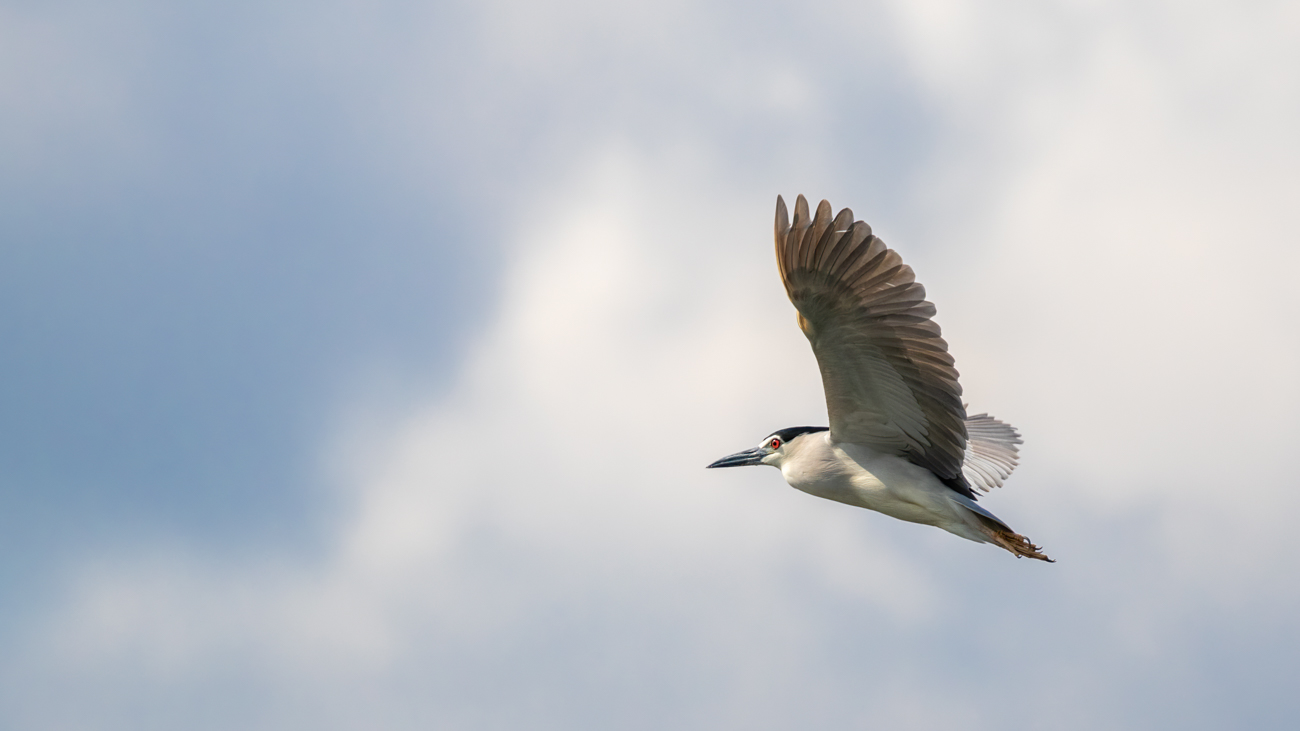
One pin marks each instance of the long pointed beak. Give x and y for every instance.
(741, 459)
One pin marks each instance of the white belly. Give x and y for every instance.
(862, 477)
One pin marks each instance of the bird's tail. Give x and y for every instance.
(999, 533)
(992, 530)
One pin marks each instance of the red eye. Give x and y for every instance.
(775, 443)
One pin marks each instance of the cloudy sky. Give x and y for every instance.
(360, 362)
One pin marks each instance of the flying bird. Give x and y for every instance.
(899, 441)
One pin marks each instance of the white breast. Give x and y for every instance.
(861, 476)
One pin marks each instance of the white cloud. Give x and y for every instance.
(565, 472)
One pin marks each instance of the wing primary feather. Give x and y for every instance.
(800, 212)
(857, 233)
(857, 259)
(820, 225)
(892, 271)
(873, 257)
(782, 232)
(991, 452)
(798, 228)
(831, 239)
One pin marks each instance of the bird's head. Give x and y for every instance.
(771, 451)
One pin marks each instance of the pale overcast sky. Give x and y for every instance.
(361, 361)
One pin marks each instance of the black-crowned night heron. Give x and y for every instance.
(900, 442)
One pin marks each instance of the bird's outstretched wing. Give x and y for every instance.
(889, 380)
(991, 452)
